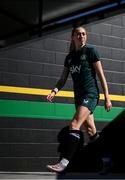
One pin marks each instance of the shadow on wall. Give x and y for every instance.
(110, 144)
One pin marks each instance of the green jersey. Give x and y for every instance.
(80, 65)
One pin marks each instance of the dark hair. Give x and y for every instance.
(72, 44)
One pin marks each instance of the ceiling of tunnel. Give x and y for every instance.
(23, 19)
(52, 10)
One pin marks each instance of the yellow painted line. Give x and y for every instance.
(22, 90)
(45, 92)
(34, 91)
(113, 97)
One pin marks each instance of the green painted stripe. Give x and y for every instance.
(13, 108)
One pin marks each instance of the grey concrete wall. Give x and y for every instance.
(108, 37)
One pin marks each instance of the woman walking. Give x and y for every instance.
(83, 63)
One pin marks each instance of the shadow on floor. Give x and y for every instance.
(110, 145)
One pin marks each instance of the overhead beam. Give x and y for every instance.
(86, 16)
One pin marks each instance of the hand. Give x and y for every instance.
(50, 97)
(108, 105)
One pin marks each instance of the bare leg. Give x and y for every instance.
(89, 125)
(90, 128)
(80, 117)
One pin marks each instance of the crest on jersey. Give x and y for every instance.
(83, 57)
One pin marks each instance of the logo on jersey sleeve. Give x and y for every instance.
(69, 61)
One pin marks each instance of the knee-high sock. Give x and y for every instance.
(73, 141)
(94, 137)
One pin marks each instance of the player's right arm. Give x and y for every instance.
(59, 85)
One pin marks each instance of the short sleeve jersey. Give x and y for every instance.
(80, 65)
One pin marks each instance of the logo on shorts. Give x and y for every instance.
(86, 101)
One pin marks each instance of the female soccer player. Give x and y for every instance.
(83, 63)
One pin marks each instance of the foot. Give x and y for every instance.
(59, 167)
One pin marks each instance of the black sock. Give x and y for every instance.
(73, 141)
(94, 137)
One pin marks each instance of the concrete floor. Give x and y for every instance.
(54, 176)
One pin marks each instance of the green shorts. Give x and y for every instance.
(88, 102)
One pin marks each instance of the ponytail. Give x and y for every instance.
(72, 46)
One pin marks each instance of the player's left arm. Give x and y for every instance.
(101, 75)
